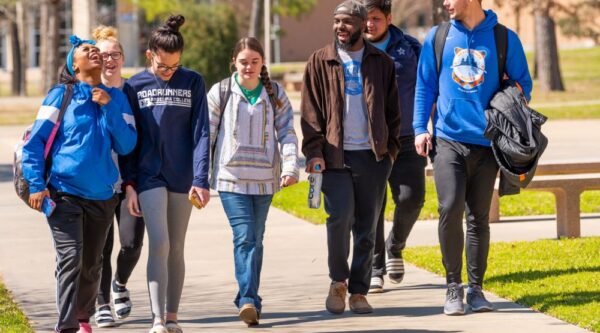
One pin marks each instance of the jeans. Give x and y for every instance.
(247, 215)
(464, 180)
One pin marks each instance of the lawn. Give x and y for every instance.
(12, 320)
(294, 200)
(557, 277)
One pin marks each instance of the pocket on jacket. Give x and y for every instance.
(463, 118)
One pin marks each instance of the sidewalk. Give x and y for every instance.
(294, 282)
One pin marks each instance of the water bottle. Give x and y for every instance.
(314, 191)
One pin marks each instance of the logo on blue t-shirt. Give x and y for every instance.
(468, 67)
(353, 84)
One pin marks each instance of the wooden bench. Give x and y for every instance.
(566, 180)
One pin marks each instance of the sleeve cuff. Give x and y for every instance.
(126, 183)
(202, 183)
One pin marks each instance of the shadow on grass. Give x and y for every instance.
(519, 277)
(548, 301)
(6, 173)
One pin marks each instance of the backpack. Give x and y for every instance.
(21, 184)
(224, 94)
(500, 37)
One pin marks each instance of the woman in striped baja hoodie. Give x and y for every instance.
(255, 154)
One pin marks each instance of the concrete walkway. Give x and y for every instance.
(294, 283)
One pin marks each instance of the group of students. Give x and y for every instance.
(174, 142)
(140, 149)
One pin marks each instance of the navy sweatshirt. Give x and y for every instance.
(172, 150)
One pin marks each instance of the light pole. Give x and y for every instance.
(267, 15)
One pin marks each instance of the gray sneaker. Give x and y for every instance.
(454, 300)
(476, 299)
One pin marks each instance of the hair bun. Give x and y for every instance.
(103, 32)
(174, 22)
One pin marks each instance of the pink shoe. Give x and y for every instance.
(84, 328)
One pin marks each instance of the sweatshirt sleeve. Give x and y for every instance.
(34, 165)
(200, 134)
(286, 135)
(128, 163)
(516, 64)
(426, 90)
(312, 121)
(120, 123)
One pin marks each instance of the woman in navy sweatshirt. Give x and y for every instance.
(169, 163)
(81, 177)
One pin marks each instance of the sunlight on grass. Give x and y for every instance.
(12, 320)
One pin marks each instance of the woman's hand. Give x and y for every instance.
(202, 193)
(287, 181)
(100, 96)
(131, 198)
(36, 199)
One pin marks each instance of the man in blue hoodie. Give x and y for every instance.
(407, 180)
(465, 168)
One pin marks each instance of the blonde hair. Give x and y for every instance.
(102, 33)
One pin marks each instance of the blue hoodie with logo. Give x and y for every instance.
(81, 152)
(467, 81)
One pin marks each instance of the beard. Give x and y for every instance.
(353, 39)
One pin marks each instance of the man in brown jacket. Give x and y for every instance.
(351, 124)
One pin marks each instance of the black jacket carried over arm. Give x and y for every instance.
(517, 139)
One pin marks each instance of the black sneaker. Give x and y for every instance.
(476, 299)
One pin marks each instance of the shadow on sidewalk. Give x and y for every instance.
(6, 173)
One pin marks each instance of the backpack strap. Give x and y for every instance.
(61, 114)
(224, 94)
(501, 38)
(439, 42)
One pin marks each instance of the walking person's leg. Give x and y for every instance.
(154, 204)
(261, 204)
(407, 182)
(131, 234)
(369, 178)
(98, 215)
(66, 227)
(379, 253)
(338, 192)
(479, 198)
(178, 217)
(451, 182)
(103, 315)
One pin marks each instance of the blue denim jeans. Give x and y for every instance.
(247, 215)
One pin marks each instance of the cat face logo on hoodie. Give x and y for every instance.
(468, 67)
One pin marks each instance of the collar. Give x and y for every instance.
(331, 53)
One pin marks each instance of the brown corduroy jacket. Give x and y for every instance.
(322, 105)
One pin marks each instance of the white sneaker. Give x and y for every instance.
(376, 286)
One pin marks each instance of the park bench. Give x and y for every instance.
(566, 180)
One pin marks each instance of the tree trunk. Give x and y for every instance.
(254, 28)
(17, 74)
(440, 14)
(49, 24)
(23, 33)
(547, 59)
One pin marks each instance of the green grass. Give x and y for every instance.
(557, 277)
(571, 112)
(12, 320)
(294, 201)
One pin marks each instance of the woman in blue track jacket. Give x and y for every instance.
(81, 177)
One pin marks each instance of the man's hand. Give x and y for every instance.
(36, 199)
(100, 96)
(131, 198)
(310, 165)
(423, 144)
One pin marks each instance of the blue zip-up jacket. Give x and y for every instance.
(468, 80)
(81, 153)
(404, 50)
(174, 139)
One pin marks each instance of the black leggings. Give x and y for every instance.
(464, 179)
(131, 233)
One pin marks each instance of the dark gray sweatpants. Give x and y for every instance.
(79, 228)
(353, 199)
(464, 179)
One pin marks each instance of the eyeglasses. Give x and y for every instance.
(114, 55)
(164, 68)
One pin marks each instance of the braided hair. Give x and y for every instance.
(253, 44)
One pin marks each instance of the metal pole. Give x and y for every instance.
(267, 31)
(276, 38)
